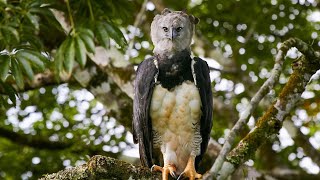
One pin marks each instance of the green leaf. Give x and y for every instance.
(26, 67)
(10, 91)
(87, 32)
(116, 34)
(33, 20)
(3, 2)
(17, 73)
(3, 102)
(103, 36)
(10, 31)
(35, 58)
(39, 55)
(81, 56)
(48, 15)
(69, 56)
(88, 41)
(4, 66)
(35, 4)
(59, 58)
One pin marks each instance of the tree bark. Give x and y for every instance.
(100, 167)
(271, 122)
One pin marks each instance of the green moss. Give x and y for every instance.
(266, 126)
(269, 124)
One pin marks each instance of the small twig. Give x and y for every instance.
(90, 9)
(250, 32)
(70, 16)
(136, 23)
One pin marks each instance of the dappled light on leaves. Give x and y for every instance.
(60, 104)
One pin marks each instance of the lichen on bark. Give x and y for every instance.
(101, 167)
(271, 122)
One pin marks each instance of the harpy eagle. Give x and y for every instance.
(172, 116)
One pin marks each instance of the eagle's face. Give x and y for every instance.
(171, 32)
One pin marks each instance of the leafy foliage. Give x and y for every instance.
(238, 37)
(81, 39)
(34, 39)
(24, 29)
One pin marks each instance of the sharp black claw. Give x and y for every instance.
(152, 167)
(173, 174)
(181, 176)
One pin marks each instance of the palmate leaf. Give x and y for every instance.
(4, 66)
(73, 48)
(26, 67)
(69, 55)
(36, 59)
(33, 40)
(116, 34)
(80, 50)
(48, 16)
(17, 73)
(87, 37)
(33, 20)
(86, 31)
(4, 2)
(20, 62)
(3, 102)
(8, 32)
(59, 58)
(103, 36)
(10, 91)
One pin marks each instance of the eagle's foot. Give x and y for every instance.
(169, 168)
(191, 175)
(190, 171)
(156, 168)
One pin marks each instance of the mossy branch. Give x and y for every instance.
(266, 87)
(271, 122)
(101, 167)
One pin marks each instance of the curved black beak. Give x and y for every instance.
(174, 34)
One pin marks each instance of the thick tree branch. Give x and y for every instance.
(139, 19)
(270, 123)
(110, 81)
(46, 78)
(100, 167)
(33, 140)
(41, 142)
(244, 116)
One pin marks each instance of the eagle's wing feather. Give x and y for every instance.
(204, 85)
(142, 127)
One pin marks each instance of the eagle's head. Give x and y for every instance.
(172, 31)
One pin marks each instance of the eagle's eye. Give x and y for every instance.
(179, 29)
(165, 29)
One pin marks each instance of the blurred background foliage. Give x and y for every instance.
(58, 126)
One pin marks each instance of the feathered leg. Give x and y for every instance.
(190, 171)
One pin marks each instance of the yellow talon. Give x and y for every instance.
(170, 168)
(190, 171)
